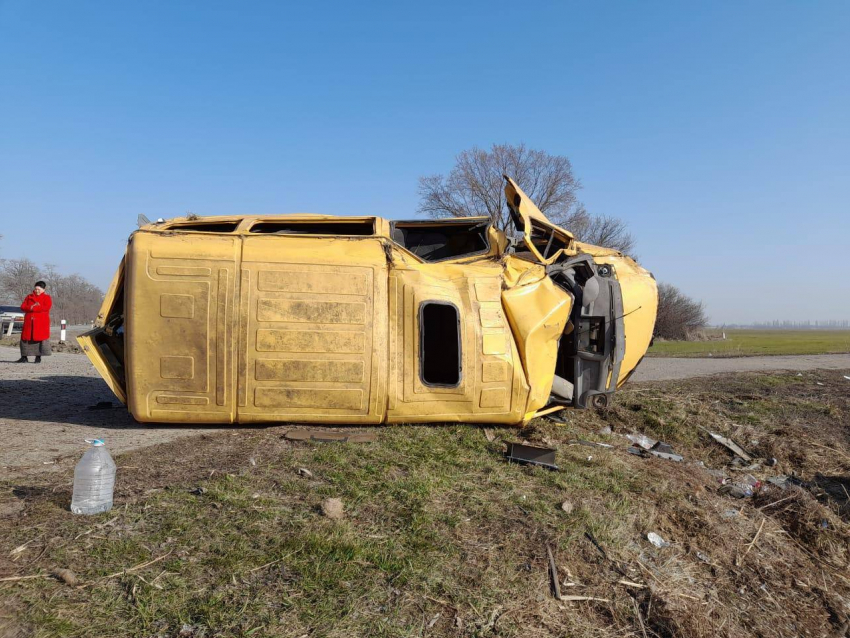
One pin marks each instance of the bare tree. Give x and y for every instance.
(475, 188)
(679, 316)
(17, 277)
(74, 298)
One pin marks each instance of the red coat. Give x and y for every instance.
(37, 317)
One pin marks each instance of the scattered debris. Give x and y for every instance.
(641, 440)
(252, 461)
(846, 377)
(328, 436)
(705, 559)
(303, 471)
(66, 576)
(605, 429)
(531, 455)
(656, 540)
(489, 434)
(554, 584)
(567, 507)
(818, 383)
(662, 455)
(198, 491)
(730, 445)
(741, 489)
(332, 508)
(434, 620)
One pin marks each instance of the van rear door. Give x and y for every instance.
(181, 291)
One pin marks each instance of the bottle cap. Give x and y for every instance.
(95, 442)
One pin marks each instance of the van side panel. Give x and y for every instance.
(180, 327)
(313, 331)
(492, 386)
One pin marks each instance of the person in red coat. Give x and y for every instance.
(35, 338)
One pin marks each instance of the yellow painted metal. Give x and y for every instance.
(533, 221)
(92, 341)
(240, 326)
(538, 313)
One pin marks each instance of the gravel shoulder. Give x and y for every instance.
(45, 416)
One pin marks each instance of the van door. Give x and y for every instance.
(180, 326)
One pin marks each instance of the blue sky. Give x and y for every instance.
(720, 131)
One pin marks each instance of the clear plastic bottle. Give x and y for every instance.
(94, 480)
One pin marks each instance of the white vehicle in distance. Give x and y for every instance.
(11, 317)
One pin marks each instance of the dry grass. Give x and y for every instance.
(442, 538)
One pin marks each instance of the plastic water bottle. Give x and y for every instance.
(94, 480)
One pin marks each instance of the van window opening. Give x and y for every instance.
(207, 227)
(314, 227)
(439, 241)
(439, 344)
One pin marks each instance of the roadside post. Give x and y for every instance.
(62, 325)
(11, 326)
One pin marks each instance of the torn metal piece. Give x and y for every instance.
(641, 440)
(730, 445)
(553, 574)
(667, 456)
(326, 436)
(531, 455)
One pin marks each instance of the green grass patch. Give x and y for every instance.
(745, 343)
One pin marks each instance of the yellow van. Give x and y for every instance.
(257, 319)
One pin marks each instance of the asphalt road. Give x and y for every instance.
(44, 415)
(662, 369)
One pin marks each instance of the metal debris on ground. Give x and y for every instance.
(303, 471)
(554, 583)
(730, 445)
(328, 436)
(662, 455)
(641, 440)
(656, 540)
(531, 455)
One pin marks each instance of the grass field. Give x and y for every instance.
(747, 343)
(221, 535)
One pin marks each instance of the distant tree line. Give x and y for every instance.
(75, 299)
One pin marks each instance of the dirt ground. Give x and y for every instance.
(45, 416)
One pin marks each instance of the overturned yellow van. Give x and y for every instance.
(258, 319)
